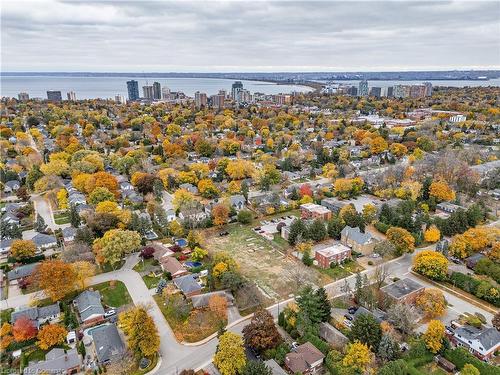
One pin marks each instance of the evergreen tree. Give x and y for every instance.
(244, 190)
(297, 228)
(256, 368)
(335, 226)
(74, 217)
(309, 305)
(367, 330)
(324, 303)
(358, 288)
(388, 349)
(317, 230)
(40, 225)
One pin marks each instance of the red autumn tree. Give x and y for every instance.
(23, 329)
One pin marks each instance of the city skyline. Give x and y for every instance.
(242, 36)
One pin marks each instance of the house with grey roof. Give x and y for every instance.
(201, 301)
(11, 186)
(377, 314)
(39, 315)
(108, 344)
(44, 241)
(75, 198)
(357, 240)
(238, 202)
(189, 187)
(57, 361)
(187, 285)
(403, 291)
(21, 272)
(483, 343)
(11, 218)
(69, 234)
(275, 367)
(89, 307)
(5, 245)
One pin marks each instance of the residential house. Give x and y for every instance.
(201, 301)
(333, 204)
(304, 359)
(21, 272)
(332, 254)
(332, 335)
(482, 342)
(11, 186)
(108, 344)
(195, 216)
(238, 202)
(170, 215)
(44, 241)
(76, 198)
(471, 261)
(189, 187)
(356, 240)
(275, 367)
(57, 361)
(69, 234)
(11, 218)
(314, 211)
(38, 315)
(379, 315)
(403, 291)
(126, 186)
(187, 285)
(448, 207)
(89, 307)
(5, 245)
(173, 266)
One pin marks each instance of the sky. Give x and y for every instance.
(248, 36)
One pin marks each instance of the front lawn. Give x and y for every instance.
(5, 315)
(36, 355)
(144, 265)
(62, 218)
(113, 295)
(199, 325)
(340, 272)
(151, 281)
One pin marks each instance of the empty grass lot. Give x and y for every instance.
(113, 296)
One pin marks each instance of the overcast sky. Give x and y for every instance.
(210, 36)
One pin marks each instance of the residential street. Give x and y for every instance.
(42, 207)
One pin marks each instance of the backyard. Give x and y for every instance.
(276, 273)
(114, 293)
(61, 218)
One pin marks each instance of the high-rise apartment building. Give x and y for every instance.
(120, 99)
(23, 96)
(156, 91)
(376, 92)
(401, 91)
(133, 90)
(71, 96)
(390, 92)
(428, 88)
(363, 88)
(353, 91)
(165, 93)
(243, 96)
(54, 96)
(417, 91)
(147, 92)
(282, 99)
(218, 101)
(200, 99)
(235, 88)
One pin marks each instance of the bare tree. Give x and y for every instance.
(403, 317)
(380, 275)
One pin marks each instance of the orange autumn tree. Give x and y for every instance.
(23, 329)
(55, 277)
(441, 191)
(218, 305)
(51, 335)
(221, 214)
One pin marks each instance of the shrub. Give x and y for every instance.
(381, 227)
(147, 252)
(245, 216)
(460, 357)
(321, 345)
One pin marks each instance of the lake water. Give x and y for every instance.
(108, 87)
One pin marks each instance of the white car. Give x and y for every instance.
(109, 313)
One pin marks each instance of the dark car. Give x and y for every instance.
(352, 309)
(222, 234)
(348, 317)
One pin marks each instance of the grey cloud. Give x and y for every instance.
(53, 35)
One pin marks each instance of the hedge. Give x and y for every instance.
(473, 286)
(321, 345)
(460, 357)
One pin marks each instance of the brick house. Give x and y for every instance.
(314, 211)
(403, 291)
(357, 241)
(332, 254)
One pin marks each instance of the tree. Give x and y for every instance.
(55, 277)
(366, 330)
(388, 348)
(348, 187)
(469, 369)
(40, 225)
(182, 198)
(357, 357)
(115, 244)
(403, 317)
(22, 249)
(62, 199)
(230, 358)
(23, 329)
(261, 334)
(297, 228)
(496, 321)
(194, 239)
(334, 227)
(324, 304)
(51, 335)
(256, 368)
(140, 330)
(402, 240)
(74, 217)
(101, 194)
(441, 191)
(83, 270)
(207, 188)
(317, 230)
(220, 213)
(432, 303)
(432, 264)
(310, 306)
(245, 216)
(198, 254)
(432, 234)
(434, 336)
(397, 367)
(218, 305)
(369, 213)
(380, 275)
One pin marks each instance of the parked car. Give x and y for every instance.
(109, 313)
(352, 309)
(349, 317)
(347, 323)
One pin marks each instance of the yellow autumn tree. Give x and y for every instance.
(441, 191)
(51, 335)
(431, 302)
(357, 357)
(434, 336)
(62, 199)
(230, 356)
(432, 264)
(432, 234)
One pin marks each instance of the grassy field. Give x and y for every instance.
(431, 369)
(338, 272)
(151, 281)
(144, 265)
(61, 218)
(113, 296)
(263, 261)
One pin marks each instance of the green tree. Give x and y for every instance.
(310, 306)
(324, 304)
(317, 230)
(101, 194)
(334, 227)
(74, 217)
(115, 244)
(469, 369)
(245, 216)
(297, 228)
(256, 368)
(397, 367)
(367, 330)
(40, 225)
(388, 348)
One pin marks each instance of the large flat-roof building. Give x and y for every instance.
(403, 291)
